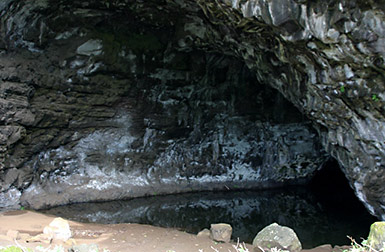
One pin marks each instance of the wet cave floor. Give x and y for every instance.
(324, 212)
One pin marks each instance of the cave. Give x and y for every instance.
(107, 100)
(324, 210)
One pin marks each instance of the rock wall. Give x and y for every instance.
(103, 101)
(325, 57)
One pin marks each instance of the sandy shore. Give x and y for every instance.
(113, 237)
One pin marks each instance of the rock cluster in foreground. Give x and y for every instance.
(40, 230)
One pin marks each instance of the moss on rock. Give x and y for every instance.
(376, 238)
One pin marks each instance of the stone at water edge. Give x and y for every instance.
(59, 229)
(204, 233)
(277, 236)
(221, 232)
(376, 238)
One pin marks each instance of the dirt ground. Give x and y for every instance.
(114, 237)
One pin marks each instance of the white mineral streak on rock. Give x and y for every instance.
(10, 199)
(348, 71)
(359, 193)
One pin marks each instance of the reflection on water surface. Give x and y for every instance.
(315, 220)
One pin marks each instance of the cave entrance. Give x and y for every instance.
(138, 114)
(331, 187)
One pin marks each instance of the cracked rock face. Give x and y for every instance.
(328, 59)
(117, 99)
(100, 106)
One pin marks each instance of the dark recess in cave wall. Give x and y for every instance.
(332, 190)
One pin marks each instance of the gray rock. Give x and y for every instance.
(10, 177)
(276, 236)
(376, 238)
(91, 47)
(221, 232)
(11, 134)
(10, 199)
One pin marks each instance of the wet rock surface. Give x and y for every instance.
(328, 59)
(97, 106)
(101, 94)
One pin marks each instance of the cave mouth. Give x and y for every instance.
(106, 108)
(331, 188)
(141, 109)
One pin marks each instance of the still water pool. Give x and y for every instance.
(317, 218)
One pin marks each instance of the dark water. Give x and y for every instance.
(325, 212)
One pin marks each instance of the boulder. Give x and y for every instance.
(376, 238)
(58, 229)
(221, 232)
(204, 233)
(276, 236)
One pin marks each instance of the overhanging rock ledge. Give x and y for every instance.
(325, 57)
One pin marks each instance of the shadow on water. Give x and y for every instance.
(324, 212)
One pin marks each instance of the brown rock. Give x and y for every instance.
(204, 233)
(221, 232)
(322, 248)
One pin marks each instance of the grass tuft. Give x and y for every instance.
(15, 249)
(363, 247)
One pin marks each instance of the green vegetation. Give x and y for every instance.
(375, 98)
(363, 247)
(15, 249)
(274, 249)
